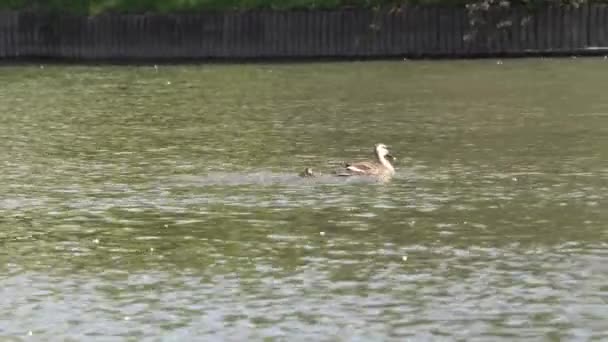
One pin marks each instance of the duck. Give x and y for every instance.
(308, 173)
(380, 168)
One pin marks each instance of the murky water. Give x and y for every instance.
(165, 204)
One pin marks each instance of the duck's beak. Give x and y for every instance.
(391, 157)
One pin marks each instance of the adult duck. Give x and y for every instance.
(380, 168)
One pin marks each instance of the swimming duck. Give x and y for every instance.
(308, 172)
(380, 168)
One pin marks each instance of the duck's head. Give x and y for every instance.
(382, 152)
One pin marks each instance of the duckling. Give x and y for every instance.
(308, 172)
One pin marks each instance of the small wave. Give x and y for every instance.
(264, 178)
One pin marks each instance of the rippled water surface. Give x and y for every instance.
(165, 203)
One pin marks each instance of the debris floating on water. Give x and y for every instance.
(322, 233)
(95, 240)
(404, 258)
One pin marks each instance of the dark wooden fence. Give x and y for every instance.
(409, 32)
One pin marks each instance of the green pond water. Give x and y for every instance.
(164, 204)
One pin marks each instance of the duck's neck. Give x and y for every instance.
(385, 163)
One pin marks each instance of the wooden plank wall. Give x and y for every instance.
(429, 31)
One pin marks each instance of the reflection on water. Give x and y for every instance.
(133, 207)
